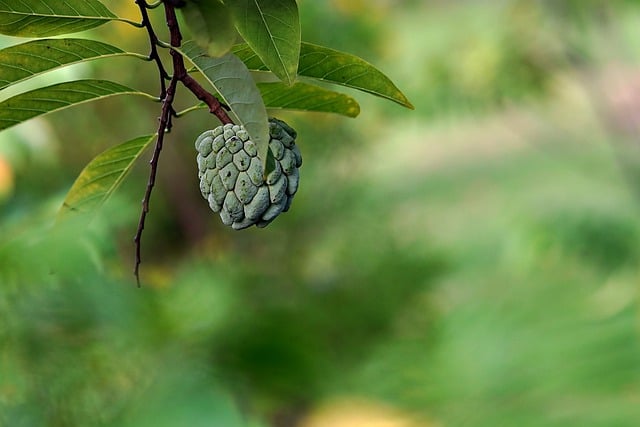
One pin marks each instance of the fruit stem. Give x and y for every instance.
(180, 71)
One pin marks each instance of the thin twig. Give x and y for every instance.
(167, 95)
(165, 118)
(215, 107)
(179, 69)
(153, 42)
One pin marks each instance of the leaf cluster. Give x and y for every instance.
(248, 51)
(232, 39)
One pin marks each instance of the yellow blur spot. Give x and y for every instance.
(7, 180)
(375, 8)
(121, 31)
(361, 413)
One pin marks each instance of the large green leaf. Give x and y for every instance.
(337, 67)
(56, 97)
(306, 97)
(22, 61)
(211, 25)
(272, 29)
(102, 176)
(41, 18)
(301, 97)
(233, 82)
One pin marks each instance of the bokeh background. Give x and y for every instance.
(470, 263)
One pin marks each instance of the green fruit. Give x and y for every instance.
(232, 179)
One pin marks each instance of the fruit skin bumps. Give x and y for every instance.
(232, 178)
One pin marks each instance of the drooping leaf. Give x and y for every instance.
(337, 67)
(233, 82)
(22, 61)
(272, 29)
(306, 97)
(102, 176)
(300, 97)
(211, 25)
(42, 18)
(44, 100)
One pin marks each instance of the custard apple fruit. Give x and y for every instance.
(232, 178)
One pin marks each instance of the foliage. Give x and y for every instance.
(271, 30)
(472, 263)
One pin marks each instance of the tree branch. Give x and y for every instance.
(179, 69)
(153, 42)
(180, 74)
(215, 107)
(163, 127)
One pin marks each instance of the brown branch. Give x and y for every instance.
(179, 69)
(153, 42)
(215, 107)
(165, 118)
(180, 74)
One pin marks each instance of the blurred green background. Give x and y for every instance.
(470, 263)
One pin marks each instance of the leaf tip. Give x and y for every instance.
(354, 111)
(408, 104)
(403, 100)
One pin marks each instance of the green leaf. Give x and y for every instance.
(337, 67)
(306, 97)
(26, 60)
(211, 25)
(56, 97)
(41, 18)
(102, 176)
(272, 29)
(301, 97)
(233, 81)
